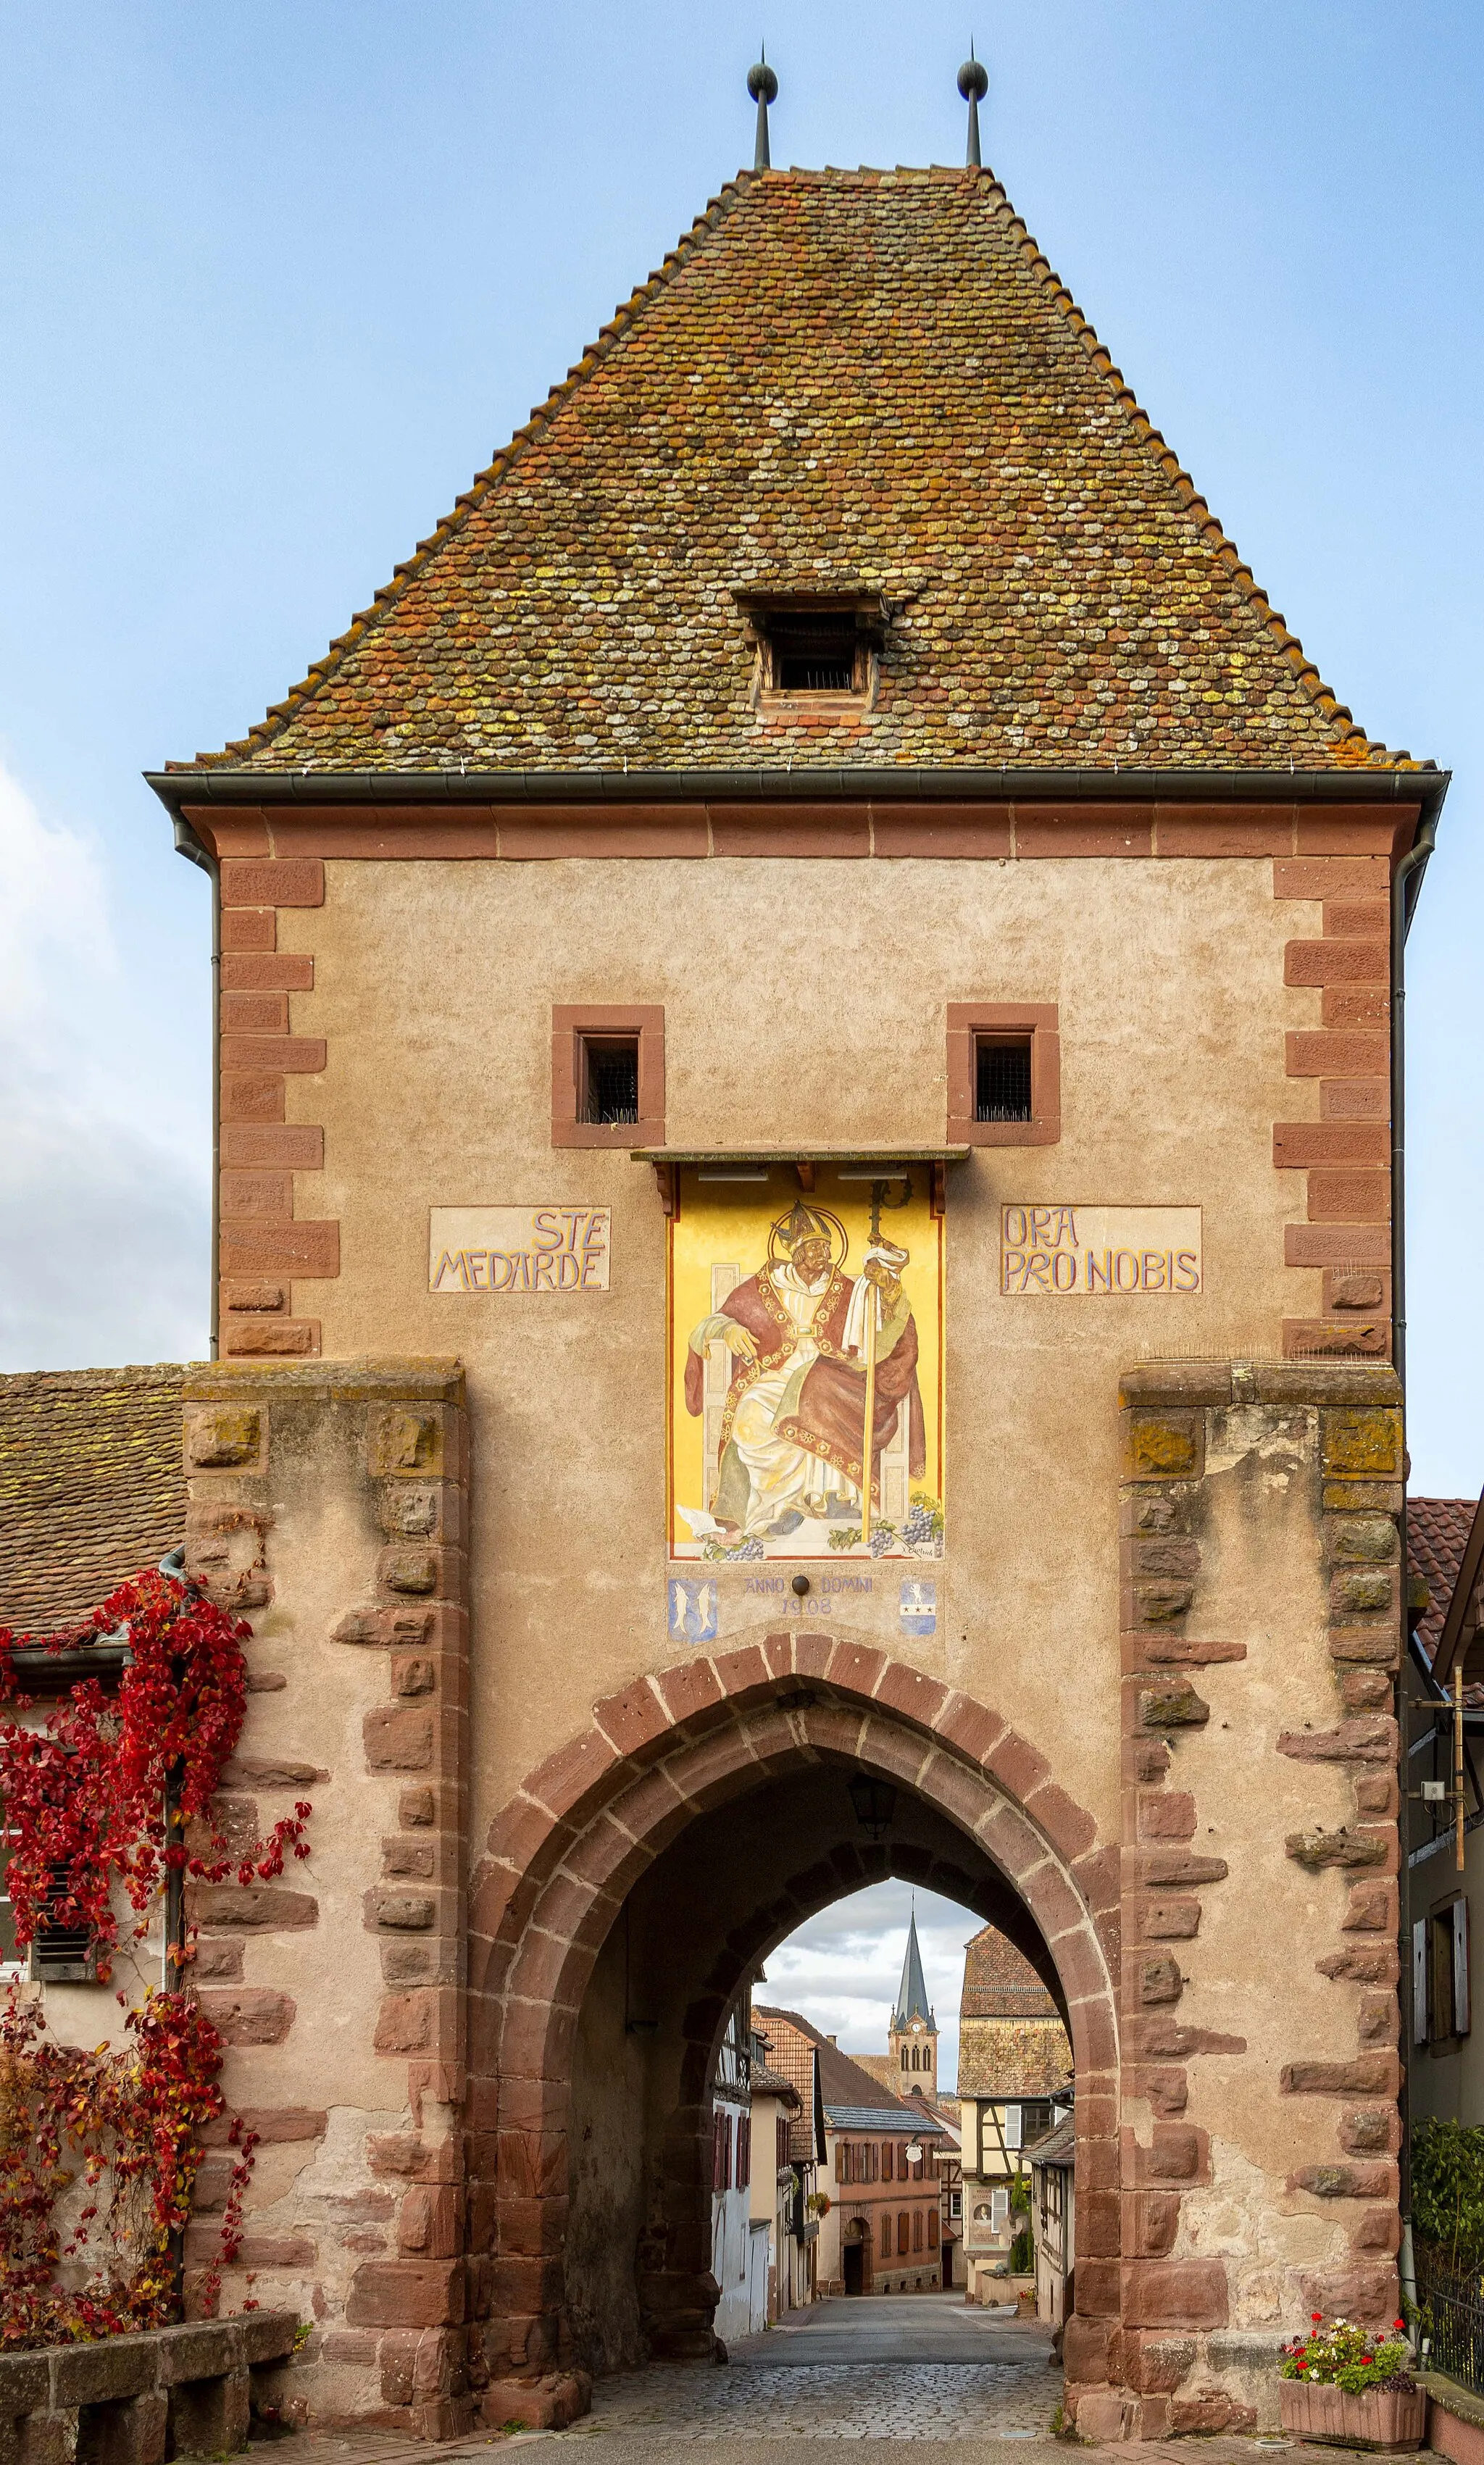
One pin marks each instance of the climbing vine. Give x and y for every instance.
(101, 1792)
(109, 1799)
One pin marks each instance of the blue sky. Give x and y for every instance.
(277, 279)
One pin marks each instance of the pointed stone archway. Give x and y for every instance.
(592, 1822)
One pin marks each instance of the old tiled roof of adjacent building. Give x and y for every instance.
(765, 2082)
(1013, 2058)
(999, 1982)
(92, 1488)
(1437, 1534)
(791, 2055)
(838, 381)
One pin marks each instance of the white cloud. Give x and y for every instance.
(103, 1202)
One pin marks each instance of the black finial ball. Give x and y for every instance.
(761, 83)
(973, 80)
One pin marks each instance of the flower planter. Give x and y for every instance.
(1377, 2418)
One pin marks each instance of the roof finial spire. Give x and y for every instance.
(974, 85)
(763, 86)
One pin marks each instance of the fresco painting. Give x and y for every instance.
(805, 1373)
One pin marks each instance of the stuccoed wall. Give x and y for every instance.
(436, 1089)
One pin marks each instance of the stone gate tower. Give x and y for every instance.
(805, 1293)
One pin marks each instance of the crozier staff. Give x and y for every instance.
(795, 1420)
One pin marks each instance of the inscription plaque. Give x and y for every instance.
(1097, 1250)
(518, 1248)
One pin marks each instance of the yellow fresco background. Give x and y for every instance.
(732, 1220)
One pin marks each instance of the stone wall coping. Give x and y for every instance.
(101, 2371)
(375, 1378)
(1259, 1382)
(1464, 2403)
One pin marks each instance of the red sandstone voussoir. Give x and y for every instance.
(635, 1720)
(536, 2040)
(958, 1792)
(1017, 1766)
(742, 1674)
(523, 1834)
(769, 1737)
(1012, 1840)
(888, 1749)
(1061, 1909)
(712, 1769)
(911, 1691)
(970, 1728)
(1094, 2038)
(832, 1728)
(1099, 1877)
(690, 1691)
(571, 1780)
(855, 1667)
(608, 1854)
(811, 1655)
(576, 1910)
(1063, 1821)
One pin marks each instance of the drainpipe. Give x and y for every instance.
(1406, 885)
(193, 848)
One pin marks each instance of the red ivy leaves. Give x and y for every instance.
(100, 1794)
(86, 1794)
(133, 2115)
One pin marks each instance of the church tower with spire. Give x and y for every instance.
(911, 2039)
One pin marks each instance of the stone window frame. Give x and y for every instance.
(1040, 1023)
(571, 1022)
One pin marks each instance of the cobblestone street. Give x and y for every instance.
(915, 2367)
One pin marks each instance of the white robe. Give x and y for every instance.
(781, 1472)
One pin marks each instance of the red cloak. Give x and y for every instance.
(831, 1416)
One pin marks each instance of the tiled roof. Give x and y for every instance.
(1437, 1534)
(876, 2117)
(765, 2082)
(92, 1487)
(999, 1982)
(1012, 2058)
(862, 381)
(792, 2054)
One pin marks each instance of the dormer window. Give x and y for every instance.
(814, 650)
(815, 655)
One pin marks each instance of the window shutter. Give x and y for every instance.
(999, 2210)
(1461, 1968)
(932, 2229)
(743, 2152)
(1420, 1983)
